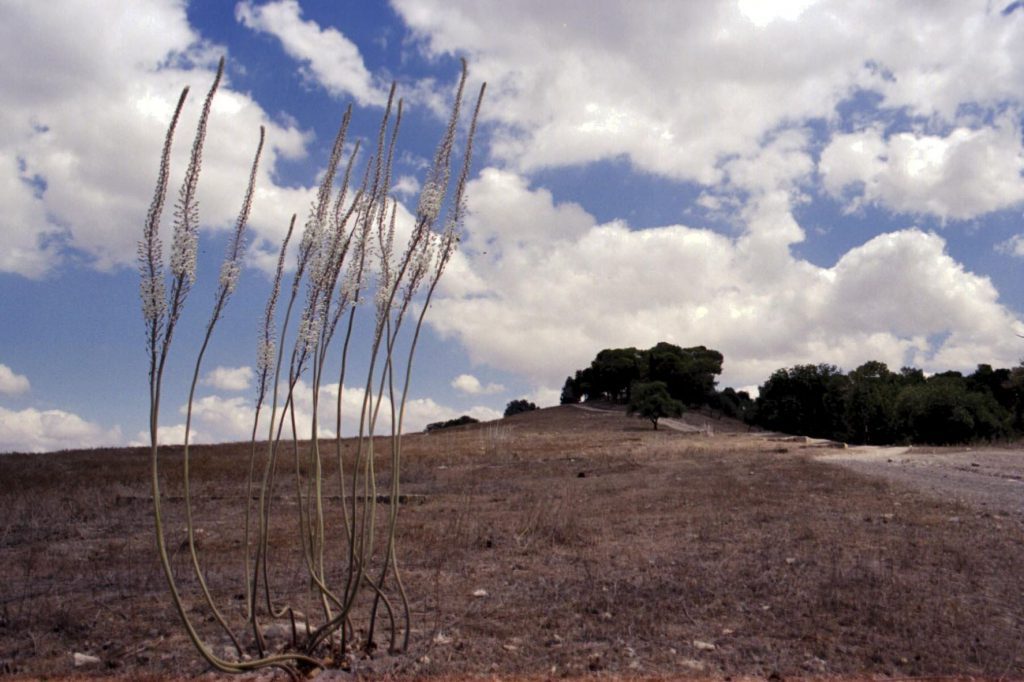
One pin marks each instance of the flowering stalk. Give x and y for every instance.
(160, 330)
(265, 356)
(346, 251)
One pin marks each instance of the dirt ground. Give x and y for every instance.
(987, 478)
(564, 543)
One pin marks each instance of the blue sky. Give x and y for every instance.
(787, 182)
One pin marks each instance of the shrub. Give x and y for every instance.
(518, 407)
(459, 421)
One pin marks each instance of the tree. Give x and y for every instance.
(732, 403)
(805, 400)
(518, 407)
(614, 370)
(689, 373)
(652, 400)
(570, 392)
(870, 404)
(943, 411)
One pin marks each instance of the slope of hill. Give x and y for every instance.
(561, 542)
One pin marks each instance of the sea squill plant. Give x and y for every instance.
(347, 267)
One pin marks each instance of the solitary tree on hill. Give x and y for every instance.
(652, 400)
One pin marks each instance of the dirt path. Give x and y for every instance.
(991, 479)
(674, 424)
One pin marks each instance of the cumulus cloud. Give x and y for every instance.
(328, 57)
(12, 383)
(564, 92)
(229, 378)
(32, 430)
(66, 187)
(469, 384)
(542, 308)
(962, 175)
(218, 419)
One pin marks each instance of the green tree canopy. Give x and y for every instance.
(688, 373)
(652, 401)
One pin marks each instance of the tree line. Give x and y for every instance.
(869, 405)
(874, 405)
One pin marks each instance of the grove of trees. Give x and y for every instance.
(875, 405)
(871, 404)
(688, 374)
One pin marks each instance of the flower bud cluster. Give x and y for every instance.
(229, 272)
(154, 301)
(309, 331)
(266, 354)
(185, 246)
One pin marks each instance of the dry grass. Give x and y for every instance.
(604, 548)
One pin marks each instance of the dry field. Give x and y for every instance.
(602, 549)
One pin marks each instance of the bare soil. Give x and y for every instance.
(599, 548)
(990, 478)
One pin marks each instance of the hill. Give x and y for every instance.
(559, 542)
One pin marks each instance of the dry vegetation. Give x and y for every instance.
(556, 543)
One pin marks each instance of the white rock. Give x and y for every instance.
(703, 646)
(82, 660)
(479, 594)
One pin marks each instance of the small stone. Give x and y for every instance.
(790, 560)
(692, 664)
(82, 660)
(703, 646)
(425, 660)
(606, 615)
(479, 594)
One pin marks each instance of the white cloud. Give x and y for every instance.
(764, 13)
(218, 419)
(962, 175)
(407, 186)
(11, 383)
(329, 58)
(678, 89)
(544, 308)
(1014, 246)
(223, 419)
(32, 430)
(66, 185)
(469, 384)
(229, 378)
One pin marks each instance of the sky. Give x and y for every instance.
(787, 182)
